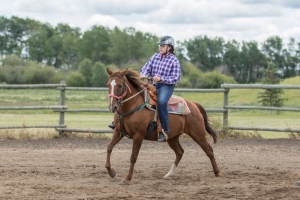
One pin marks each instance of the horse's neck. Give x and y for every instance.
(134, 101)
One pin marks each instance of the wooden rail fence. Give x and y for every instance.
(225, 89)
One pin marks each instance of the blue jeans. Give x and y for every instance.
(164, 93)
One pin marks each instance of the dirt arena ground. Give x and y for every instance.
(74, 169)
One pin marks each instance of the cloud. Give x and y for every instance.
(38, 6)
(230, 19)
(204, 12)
(120, 7)
(103, 20)
(286, 3)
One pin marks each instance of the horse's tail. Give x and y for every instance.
(208, 126)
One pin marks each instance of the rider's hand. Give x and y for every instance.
(156, 78)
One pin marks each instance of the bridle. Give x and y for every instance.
(120, 100)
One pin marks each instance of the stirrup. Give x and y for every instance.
(161, 137)
(112, 126)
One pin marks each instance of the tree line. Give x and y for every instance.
(81, 57)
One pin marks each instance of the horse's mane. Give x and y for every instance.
(134, 78)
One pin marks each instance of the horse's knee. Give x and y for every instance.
(133, 159)
(180, 154)
(109, 149)
(211, 149)
(210, 154)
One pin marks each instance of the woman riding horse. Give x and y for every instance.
(127, 101)
(164, 68)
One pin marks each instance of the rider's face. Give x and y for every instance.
(163, 48)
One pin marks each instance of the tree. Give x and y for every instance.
(99, 77)
(197, 52)
(130, 46)
(14, 31)
(205, 53)
(95, 44)
(67, 54)
(271, 97)
(85, 68)
(252, 61)
(292, 58)
(274, 50)
(232, 58)
(41, 44)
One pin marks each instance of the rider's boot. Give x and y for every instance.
(162, 136)
(112, 126)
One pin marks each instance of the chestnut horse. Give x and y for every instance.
(126, 95)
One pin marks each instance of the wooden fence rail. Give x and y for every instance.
(62, 85)
(256, 86)
(225, 89)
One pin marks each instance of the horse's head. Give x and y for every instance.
(117, 88)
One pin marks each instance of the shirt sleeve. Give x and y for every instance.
(175, 74)
(147, 68)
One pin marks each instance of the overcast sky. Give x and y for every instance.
(182, 19)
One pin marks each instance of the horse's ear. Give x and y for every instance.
(122, 73)
(109, 72)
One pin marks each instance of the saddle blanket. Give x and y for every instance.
(180, 108)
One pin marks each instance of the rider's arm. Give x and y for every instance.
(146, 70)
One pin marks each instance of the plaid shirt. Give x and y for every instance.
(166, 67)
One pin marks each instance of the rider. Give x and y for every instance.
(164, 68)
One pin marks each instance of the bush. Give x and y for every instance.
(75, 79)
(214, 80)
(184, 83)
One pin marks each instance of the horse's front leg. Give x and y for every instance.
(114, 140)
(136, 145)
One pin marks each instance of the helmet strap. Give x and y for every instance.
(165, 53)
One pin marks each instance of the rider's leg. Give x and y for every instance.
(164, 93)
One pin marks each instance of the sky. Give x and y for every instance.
(183, 19)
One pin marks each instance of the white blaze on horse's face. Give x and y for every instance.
(112, 87)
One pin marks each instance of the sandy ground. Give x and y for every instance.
(74, 169)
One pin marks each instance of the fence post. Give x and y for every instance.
(62, 103)
(225, 113)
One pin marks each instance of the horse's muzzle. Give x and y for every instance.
(113, 108)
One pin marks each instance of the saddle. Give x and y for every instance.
(153, 97)
(176, 105)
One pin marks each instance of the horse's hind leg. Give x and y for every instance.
(175, 145)
(201, 140)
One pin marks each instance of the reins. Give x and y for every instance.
(123, 132)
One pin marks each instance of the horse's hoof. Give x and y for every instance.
(218, 175)
(113, 173)
(124, 182)
(167, 176)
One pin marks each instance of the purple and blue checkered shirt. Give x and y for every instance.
(166, 67)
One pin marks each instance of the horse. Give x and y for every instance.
(131, 118)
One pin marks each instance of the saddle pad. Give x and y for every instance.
(180, 108)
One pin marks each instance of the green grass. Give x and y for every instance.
(291, 81)
(99, 100)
